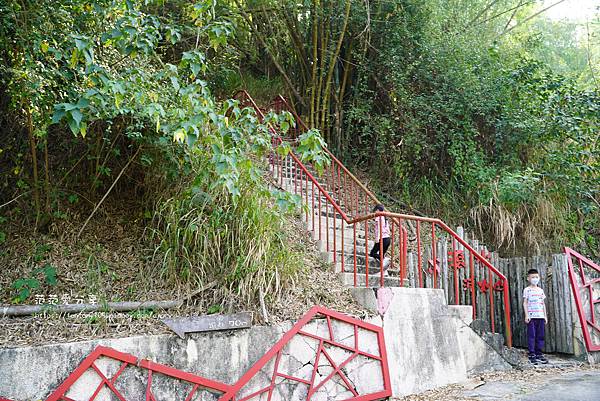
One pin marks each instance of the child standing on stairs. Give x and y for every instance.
(535, 317)
(383, 236)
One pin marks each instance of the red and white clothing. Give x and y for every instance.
(381, 221)
(535, 302)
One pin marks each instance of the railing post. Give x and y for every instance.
(306, 195)
(342, 253)
(312, 195)
(507, 327)
(320, 219)
(473, 292)
(334, 234)
(433, 254)
(367, 253)
(392, 240)
(380, 222)
(491, 289)
(419, 257)
(404, 256)
(327, 223)
(355, 267)
(455, 270)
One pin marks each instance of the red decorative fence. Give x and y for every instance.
(338, 210)
(336, 347)
(325, 343)
(90, 367)
(584, 275)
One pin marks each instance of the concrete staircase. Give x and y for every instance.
(425, 252)
(330, 224)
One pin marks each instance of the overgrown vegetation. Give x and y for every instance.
(481, 112)
(110, 102)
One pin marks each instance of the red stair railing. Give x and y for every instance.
(345, 202)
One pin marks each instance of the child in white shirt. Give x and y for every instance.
(535, 317)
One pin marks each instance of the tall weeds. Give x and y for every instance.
(204, 237)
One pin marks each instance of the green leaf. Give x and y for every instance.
(73, 126)
(175, 83)
(50, 274)
(214, 309)
(77, 116)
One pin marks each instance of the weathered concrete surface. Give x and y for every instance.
(32, 373)
(479, 355)
(429, 344)
(422, 342)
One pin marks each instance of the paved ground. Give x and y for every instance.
(558, 383)
(570, 386)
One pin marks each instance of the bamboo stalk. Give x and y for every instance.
(332, 64)
(36, 190)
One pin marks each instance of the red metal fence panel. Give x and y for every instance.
(335, 363)
(89, 367)
(584, 275)
(333, 372)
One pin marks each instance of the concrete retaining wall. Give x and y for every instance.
(428, 344)
(32, 373)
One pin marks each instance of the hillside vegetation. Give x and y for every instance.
(111, 136)
(482, 112)
(118, 140)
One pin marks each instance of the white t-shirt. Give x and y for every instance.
(535, 302)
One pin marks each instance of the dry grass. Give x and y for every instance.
(529, 227)
(112, 263)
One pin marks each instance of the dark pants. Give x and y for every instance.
(535, 336)
(375, 251)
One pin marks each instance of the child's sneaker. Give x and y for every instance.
(541, 359)
(386, 263)
(533, 360)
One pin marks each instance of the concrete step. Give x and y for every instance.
(348, 246)
(374, 281)
(349, 268)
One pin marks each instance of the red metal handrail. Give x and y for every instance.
(279, 104)
(358, 217)
(334, 159)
